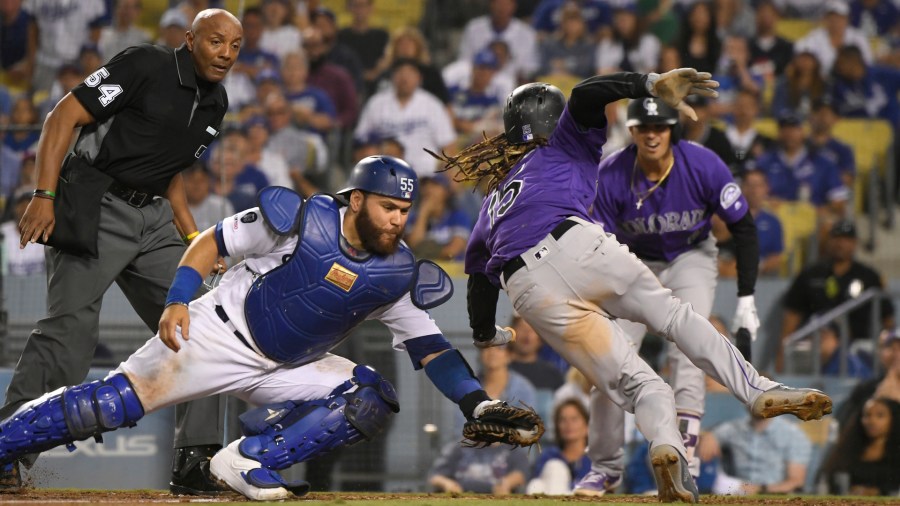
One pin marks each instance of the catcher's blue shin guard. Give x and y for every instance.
(284, 434)
(75, 414)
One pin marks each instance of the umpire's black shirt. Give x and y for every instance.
(154, 116)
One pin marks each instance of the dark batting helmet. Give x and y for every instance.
(650, 111)
(532, 111)
(383, 175)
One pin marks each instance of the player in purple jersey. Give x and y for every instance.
(658, 196)
(537, 239)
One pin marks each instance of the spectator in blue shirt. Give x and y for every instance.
(24, 137)
(312, 108)
(436, 229)
(797, 174)
(821, 139)
(548, 15)
(232, 177)
(755, 188)
(16, 29)
(561, 465)
(253, 58)
(757, 455)
(476, 106)
(832, 355)
(861, 91)
(882, 15)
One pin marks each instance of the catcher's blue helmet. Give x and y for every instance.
(384, 175)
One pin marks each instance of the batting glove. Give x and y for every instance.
(745, 316)
(674, 85)
(504, 335)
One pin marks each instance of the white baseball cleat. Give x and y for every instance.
(229, 466)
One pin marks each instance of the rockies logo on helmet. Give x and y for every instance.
(650, 111)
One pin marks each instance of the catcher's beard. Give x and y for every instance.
(375, 240)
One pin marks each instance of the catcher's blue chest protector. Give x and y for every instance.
(303, 308)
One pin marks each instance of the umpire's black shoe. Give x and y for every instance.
(10, 477)
(190, 472)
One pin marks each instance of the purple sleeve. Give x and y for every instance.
(730, 204)
(578, 143)
(606, 208)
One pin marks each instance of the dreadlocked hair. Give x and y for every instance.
(488, 161)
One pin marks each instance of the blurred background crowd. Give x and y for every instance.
(807, 120)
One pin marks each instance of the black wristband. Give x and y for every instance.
(470, 401)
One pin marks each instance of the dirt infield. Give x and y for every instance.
(55, 497)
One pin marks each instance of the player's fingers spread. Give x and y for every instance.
(686, 72)
(706, 92)
(686, 109)
(702, 76)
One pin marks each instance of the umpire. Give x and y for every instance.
(144, 116)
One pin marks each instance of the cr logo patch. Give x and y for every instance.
(249, 217)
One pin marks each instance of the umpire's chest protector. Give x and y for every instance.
(303, 308)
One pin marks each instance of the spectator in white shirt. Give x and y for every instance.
(64, 26)
(834, 33)
(411, 115)
(123, 33)
(500, 24)
(172, 26)
(280, 36)
(16, 261)
(628, 49)
(206, 207)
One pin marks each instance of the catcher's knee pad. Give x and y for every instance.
(75, 414)
(284, 434)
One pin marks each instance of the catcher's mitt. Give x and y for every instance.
(502, 423)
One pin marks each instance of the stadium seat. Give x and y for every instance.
(798, 223)
(388, 14)
(872, 142)
(794, 29)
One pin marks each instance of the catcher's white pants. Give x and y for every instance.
(214, 361)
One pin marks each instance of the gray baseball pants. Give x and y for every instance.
(566, 291)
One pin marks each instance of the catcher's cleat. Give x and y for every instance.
(804, 403)
(596, 484)
(673, 480)
(190, 472)
(10, 477)
(233, 469)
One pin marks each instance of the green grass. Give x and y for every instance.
(40, 497)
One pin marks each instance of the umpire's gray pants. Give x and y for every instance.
(139, 249)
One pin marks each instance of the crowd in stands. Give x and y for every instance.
(808, 112)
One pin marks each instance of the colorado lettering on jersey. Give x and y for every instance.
(665, 222)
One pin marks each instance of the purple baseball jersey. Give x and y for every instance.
(674, 218)
(548, 185)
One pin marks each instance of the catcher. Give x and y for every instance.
(313, 270)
